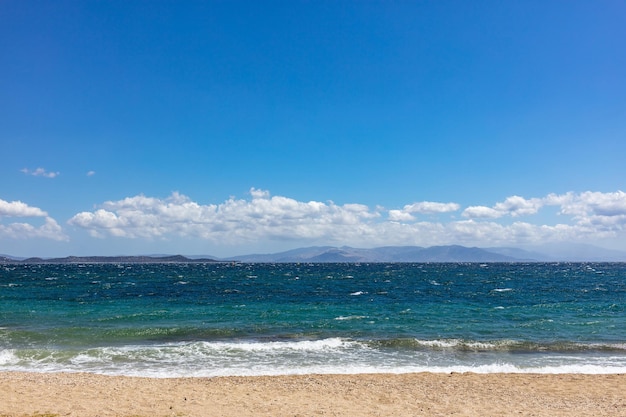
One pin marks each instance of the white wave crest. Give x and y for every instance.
(7, 357)
(301, 345)
(350, 318)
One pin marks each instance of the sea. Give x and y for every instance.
(234, 319)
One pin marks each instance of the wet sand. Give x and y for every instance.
(422, 394)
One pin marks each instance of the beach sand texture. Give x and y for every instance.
(423, 394)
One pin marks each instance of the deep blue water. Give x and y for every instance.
(250, 319)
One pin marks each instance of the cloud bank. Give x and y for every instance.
(261, 217)
(587, 216)
(235, 220)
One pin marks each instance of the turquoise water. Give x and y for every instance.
(170, 320)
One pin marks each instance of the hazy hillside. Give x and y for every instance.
(382, 254)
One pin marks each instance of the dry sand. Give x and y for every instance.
(424, 394)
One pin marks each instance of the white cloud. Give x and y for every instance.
(40, 172)
(91, 173)
(513, 206)
(594, 212)
(50, 229)
(429, 207)
(262, 217)
(591, 204)
(259, 193)
(400, 216)
(519, 206)
(424, 207)
(482, 212)
(19, 209)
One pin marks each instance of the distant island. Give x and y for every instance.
(107, 260)
(346, 254)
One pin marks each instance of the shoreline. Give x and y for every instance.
(430, 394)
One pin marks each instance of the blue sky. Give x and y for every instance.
(225, 128)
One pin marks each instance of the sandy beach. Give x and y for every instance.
(423, 394)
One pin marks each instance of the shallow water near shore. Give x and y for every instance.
(170, 320)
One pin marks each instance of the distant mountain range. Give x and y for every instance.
(451, 253)
(382, 254)
(317, 254)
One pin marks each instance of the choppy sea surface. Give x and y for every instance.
(171, 320)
